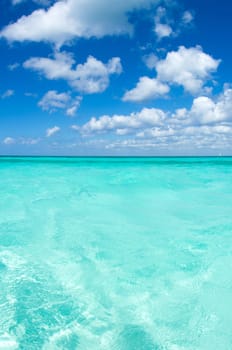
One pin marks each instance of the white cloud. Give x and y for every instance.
(177, 68)
(163, 30)
(13, 66)
(146, 117)
(29, 141)
(38, 2)
(150, 60)
(53, 101)
(207, 124)
(162, 27)
(90, 77)
(7, 93)
(70, 19)
(190, 68)
(205, 110)
(75, 127)
(146, 89)
(187, 17)
(93, 76)
(52, 131)
(9, 140)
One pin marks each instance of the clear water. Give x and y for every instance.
(116, 254)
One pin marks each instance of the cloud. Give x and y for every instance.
(7, 94)
(146, 117)
(206, 111)
(70, 19)
(29, 141)
(187, 17)
(166, 26)
(176, 68)
(146, 89)
(38, 2)
(188, 67)
(52, 131)
(9, 141)
(207, 124)
(13, 66)
(53, 101)
(162, 28)
(150, 60)
(90, 77)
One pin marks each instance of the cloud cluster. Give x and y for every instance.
(53, 101)
(70, 19)
(90, 77)
(176, 68)
(207, 120)
(165, 26)
(121, 124)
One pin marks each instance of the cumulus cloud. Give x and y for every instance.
(7, 94)
(146, 89)
(146, 117)
(53, 101)
(177, 68)
(188, 67)
(70, 19)
(52, 131)
(205, 110)
(90, 77)
(9, 140)
(206, 124)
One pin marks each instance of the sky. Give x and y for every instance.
(135, 77)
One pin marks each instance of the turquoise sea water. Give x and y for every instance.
(116, 254)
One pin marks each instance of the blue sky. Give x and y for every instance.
(136, 77)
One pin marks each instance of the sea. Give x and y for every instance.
(130, 253)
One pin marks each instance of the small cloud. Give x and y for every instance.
(29, 141)
(30, 94)
(53, 101)
(9, 141)
(13, 66)
(162, 25)
(150, 60)
(146, 89)
(52, 131)
(7, 93)
(38, 2)
(187, 17)
(74, 106)
(75, 127)
(163, 30)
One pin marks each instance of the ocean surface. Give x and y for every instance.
(116, 253)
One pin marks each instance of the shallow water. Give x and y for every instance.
(116, 254)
